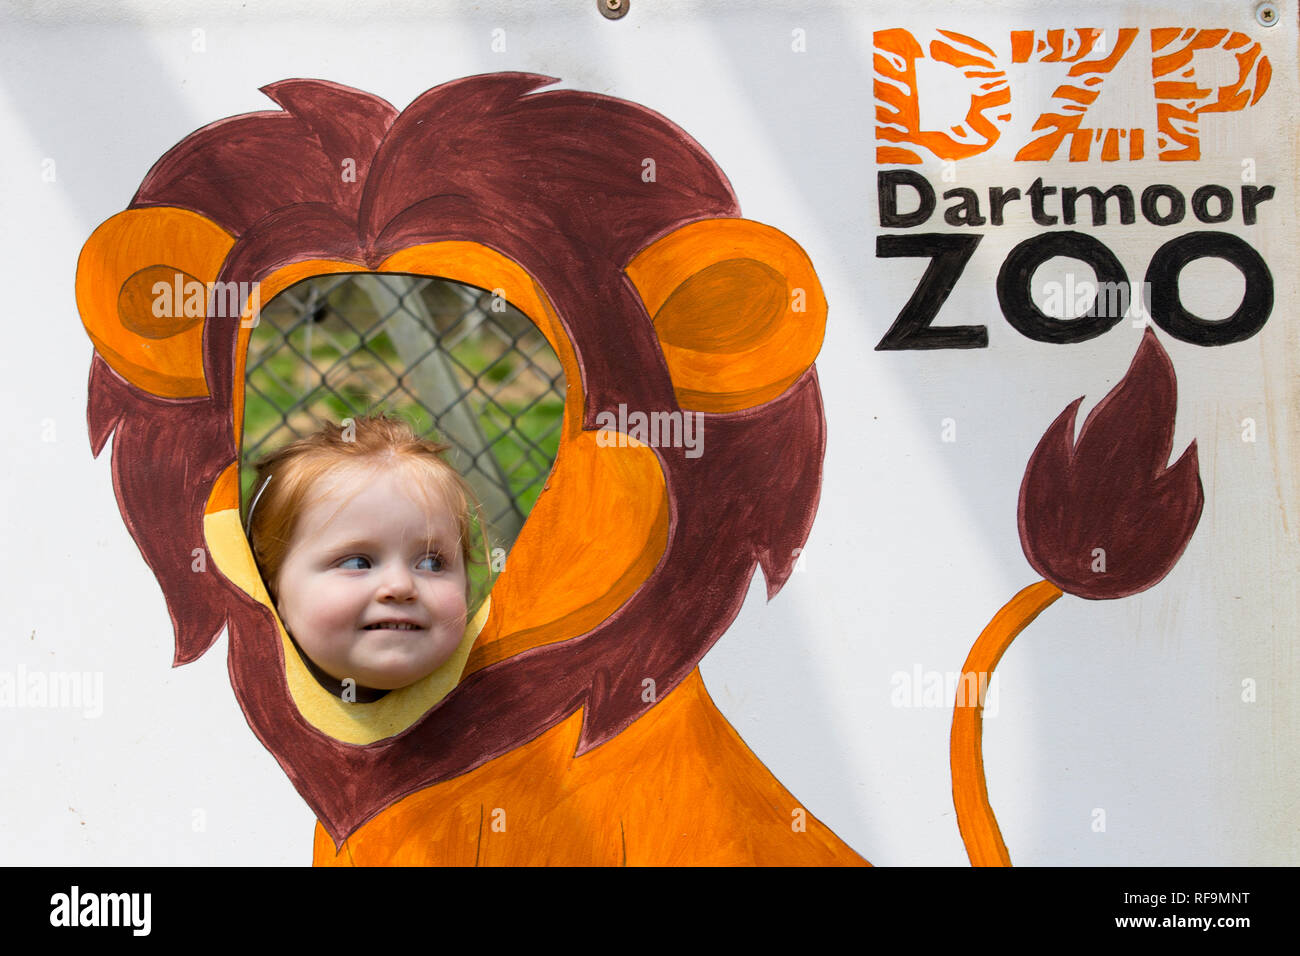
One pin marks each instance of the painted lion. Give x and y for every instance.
(574, 728)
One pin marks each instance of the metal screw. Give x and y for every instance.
(613, 9)
(1266, 14)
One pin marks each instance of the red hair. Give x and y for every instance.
(286, 479)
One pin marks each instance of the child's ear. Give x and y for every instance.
(737, 307)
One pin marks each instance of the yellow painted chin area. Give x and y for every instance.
(353, 723)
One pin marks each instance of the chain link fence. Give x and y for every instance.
(462, 366)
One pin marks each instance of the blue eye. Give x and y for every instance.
(434, 560)
(348, 565)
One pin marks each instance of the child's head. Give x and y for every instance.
(364, 538)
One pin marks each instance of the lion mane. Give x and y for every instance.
(551, 181)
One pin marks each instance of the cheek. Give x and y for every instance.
(449, 600)
(319, 607)
(338, 604)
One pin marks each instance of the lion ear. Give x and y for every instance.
(142, 282)
(737, 307)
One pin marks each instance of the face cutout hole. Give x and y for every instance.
(459, 363)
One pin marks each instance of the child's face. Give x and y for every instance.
(373, 586)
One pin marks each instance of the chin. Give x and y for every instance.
(394, 678)
(392, 681)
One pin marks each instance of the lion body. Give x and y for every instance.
(677, 788)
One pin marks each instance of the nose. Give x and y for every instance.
(396, 583)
